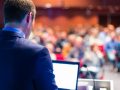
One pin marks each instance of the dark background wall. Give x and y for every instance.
(66, 13)
(64, 18)
(71, 12)
(77, 3)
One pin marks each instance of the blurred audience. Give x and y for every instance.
(95, 45)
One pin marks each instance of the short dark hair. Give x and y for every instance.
(15, 10)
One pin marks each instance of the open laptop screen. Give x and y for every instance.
(66, 74)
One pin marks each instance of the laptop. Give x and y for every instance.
(66, 74)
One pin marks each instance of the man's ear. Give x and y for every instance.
(29, 17)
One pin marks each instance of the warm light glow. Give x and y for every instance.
(48, 5)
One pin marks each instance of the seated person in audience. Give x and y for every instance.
(51, 48)
(77, 52)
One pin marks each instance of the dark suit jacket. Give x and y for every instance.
(24, 65)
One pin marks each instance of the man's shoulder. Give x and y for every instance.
(29, 45)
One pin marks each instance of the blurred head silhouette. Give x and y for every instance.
(19, 14)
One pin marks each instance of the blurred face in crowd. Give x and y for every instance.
(95, 48)
(78, 42)
(111, 27)
(112, 35)
(71, 38)
(63, 35)
(94, 32)
(106, 30)
(50, 47)
(50, 31)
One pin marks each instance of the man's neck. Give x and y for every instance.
(14, 25)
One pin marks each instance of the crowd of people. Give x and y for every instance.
(93, 45)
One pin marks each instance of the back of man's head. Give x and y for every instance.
(15, 10)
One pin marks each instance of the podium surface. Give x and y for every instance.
(87, 84)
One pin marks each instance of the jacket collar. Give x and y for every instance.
(15, 31)
(8, 34)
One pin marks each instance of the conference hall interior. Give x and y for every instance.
(86, 32)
